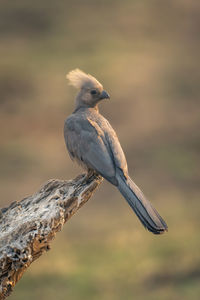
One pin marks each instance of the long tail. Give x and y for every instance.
(147, 214)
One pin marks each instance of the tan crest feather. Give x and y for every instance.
(79, 79)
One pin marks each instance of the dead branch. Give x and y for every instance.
(28, 226)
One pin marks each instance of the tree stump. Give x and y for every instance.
(28, 226)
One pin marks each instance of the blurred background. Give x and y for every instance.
(146, 54)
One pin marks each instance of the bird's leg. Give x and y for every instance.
(87, 176)
(90, 173)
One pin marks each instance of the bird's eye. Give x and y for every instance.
(93, 92)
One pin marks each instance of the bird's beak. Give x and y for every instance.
(104, 95)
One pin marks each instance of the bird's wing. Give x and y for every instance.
(115, 147)
(86, 142)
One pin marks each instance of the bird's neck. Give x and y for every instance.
(85, 107)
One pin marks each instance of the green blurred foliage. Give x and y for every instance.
(146, 53)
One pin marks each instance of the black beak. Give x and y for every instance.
(104, 95)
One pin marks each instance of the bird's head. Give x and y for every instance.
(91, 90)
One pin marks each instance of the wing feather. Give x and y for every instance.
(86, 142)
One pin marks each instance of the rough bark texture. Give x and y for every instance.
(28, 226)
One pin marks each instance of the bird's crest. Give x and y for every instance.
(80, 79)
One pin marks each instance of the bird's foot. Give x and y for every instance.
(90, 175)
(85, 178)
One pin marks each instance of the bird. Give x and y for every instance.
(92, 142)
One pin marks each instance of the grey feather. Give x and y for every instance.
(88, 146)
(146, 213)
(93, 143)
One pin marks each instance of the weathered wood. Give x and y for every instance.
(28, 226)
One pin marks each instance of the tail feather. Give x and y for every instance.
(147, 214)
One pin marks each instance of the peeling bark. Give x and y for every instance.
(28, 226)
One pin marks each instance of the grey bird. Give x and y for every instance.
(93, 143)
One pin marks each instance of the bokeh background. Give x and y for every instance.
(146, 53)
